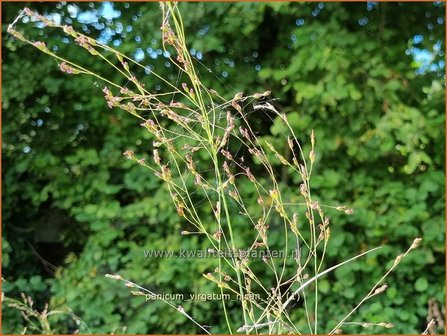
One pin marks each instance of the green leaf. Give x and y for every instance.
(324, 286)
(421, 284)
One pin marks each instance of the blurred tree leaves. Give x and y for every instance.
(347, 70)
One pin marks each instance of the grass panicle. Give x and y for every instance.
(205, 147)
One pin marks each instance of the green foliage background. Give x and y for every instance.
(349, 71)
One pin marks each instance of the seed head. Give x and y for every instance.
(129, 154)
(415, 244)
(236, 106)
(380, 289)
(312, 156)
(68, 69)
(156, 157)
(274, 194)
(398, 259)
(386, 325)
(114, 276)
(226, 154)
